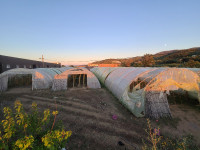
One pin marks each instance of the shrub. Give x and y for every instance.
(21, 131)
(153, 137)
(157, 142)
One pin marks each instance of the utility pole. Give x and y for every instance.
(42, 60)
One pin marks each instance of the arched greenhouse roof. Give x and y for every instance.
(197, 70)
(48, 74)
(147, 81)
(10, 73)
(60, 81)
(102, 73)
(42, 78)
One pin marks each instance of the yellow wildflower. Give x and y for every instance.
(25, 142)
(46, 115)
(54, 136)
(55, 113)
(34, 105)
(8, 123)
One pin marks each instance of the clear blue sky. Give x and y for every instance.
(74, 31)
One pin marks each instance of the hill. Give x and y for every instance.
(172, 58)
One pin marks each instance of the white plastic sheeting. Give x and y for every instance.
(196, 70)
(157, 80)
(102, 73)
(60, 81)
(42, 78)
(10, 73)
(45, 80)
(118, 83)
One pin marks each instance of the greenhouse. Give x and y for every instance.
(45, 80)
(102, 73)
(40, 78)
(196, 70)
(144, 91)
(9, 76)
(76, 77)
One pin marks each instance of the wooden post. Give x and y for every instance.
(73, 80)
(79, 84)
(83, 79)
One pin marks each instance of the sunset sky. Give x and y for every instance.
(82, 31)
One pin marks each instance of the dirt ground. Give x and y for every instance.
(88, 114)
(186, 121)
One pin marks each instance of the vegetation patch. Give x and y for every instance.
(158, 142)
(22, 131)
(173, 58)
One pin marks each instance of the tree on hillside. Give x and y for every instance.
(192, 64)
(148, 60)
(123, 64)
(137, 64)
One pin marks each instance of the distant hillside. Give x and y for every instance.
(165, 53)
(173, 58)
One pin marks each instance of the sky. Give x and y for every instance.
(82, 31)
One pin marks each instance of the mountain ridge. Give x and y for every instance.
(172, 58)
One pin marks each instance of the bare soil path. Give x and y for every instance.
(88, 114)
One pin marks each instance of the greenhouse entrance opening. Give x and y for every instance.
(34, 66)
(181, 96)
(20, 80)
(77, 80)
(154, 105)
